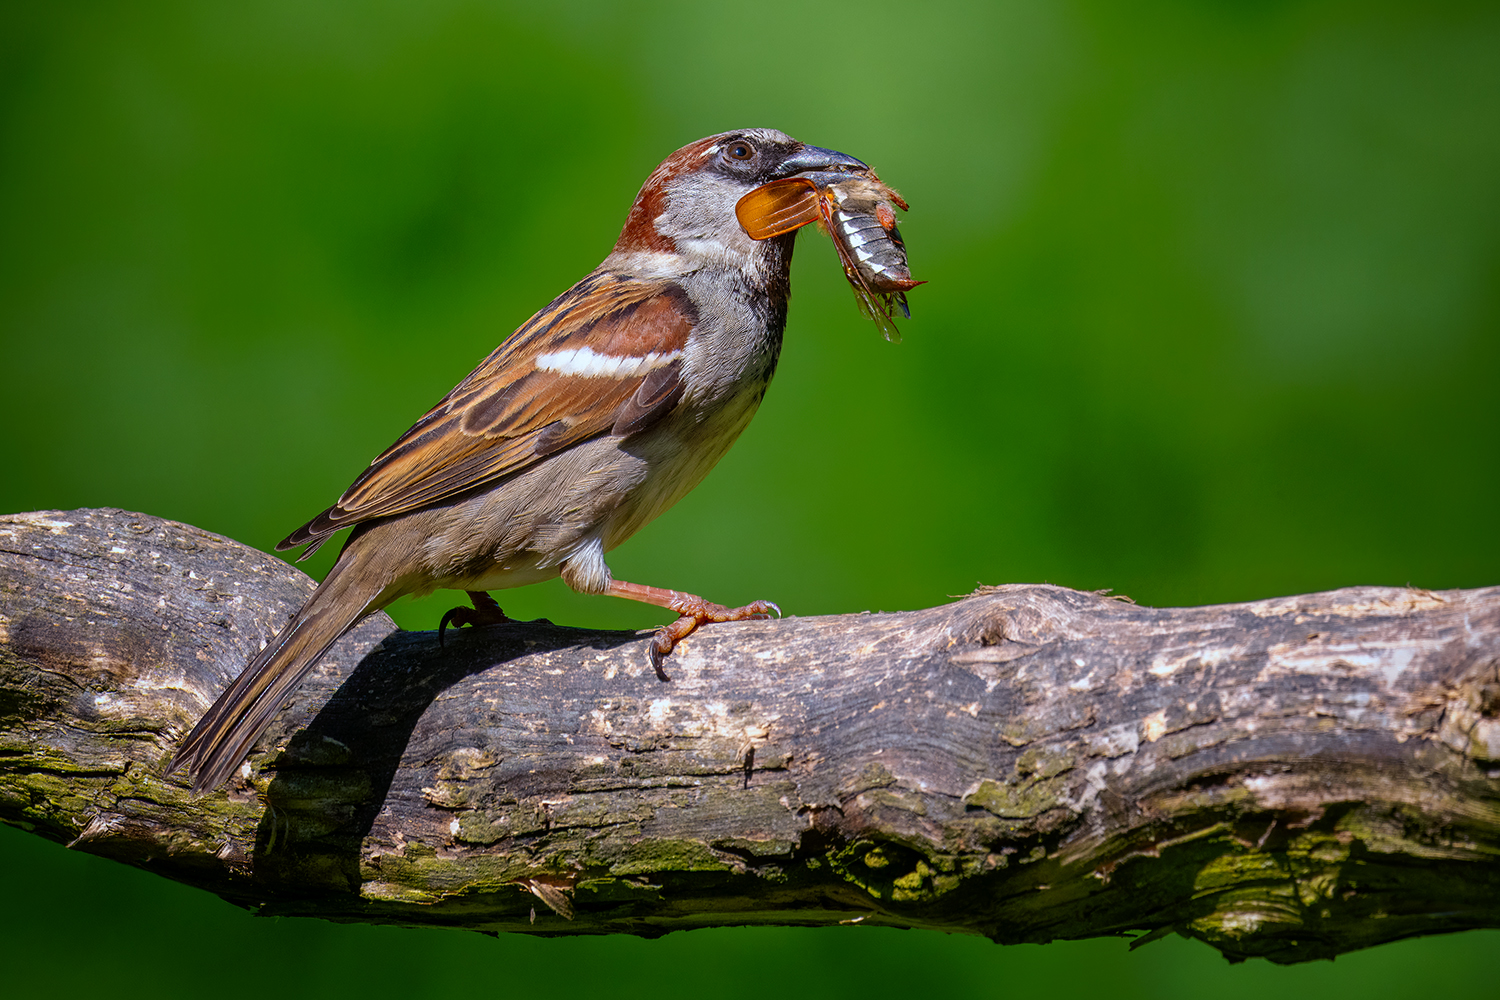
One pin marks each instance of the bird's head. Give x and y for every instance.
(686, 207)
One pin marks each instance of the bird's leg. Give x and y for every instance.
(484, 612)
(694, 610)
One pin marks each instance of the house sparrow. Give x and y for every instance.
(594, 417)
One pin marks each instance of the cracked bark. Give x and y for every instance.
(1292, 778)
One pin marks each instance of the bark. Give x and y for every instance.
(1292, 778)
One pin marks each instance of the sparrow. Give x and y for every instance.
(599, 413)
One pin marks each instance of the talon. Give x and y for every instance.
(658, 654)
(450, 615)
(667, 638)
(694, 611)
(484, 612)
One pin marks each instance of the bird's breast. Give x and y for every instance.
(675, 456)
(732, 351)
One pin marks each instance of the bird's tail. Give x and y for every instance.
(225, 734)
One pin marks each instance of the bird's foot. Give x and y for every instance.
(486, 611)
(696, 611)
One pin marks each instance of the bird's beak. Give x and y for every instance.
(810, 158)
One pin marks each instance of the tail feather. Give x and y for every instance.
(227, 731)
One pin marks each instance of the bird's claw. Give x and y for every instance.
(451, 616)
(658, 654)
(700, 612)
(484, 612)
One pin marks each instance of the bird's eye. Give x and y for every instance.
(740, 150)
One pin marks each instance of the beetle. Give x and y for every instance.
(856, 210)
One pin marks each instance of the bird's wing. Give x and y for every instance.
(605, 355)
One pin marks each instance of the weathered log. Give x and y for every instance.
(1290, 778)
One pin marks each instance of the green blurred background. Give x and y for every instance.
(1213, 316)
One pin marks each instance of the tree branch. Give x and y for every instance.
(1292, 778)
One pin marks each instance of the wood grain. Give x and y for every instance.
(1292, 778)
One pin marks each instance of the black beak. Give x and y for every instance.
(810, 158)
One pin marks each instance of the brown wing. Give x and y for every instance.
(607, 349)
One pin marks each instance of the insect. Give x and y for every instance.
(856, 210)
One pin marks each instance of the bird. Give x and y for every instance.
(596, 415)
